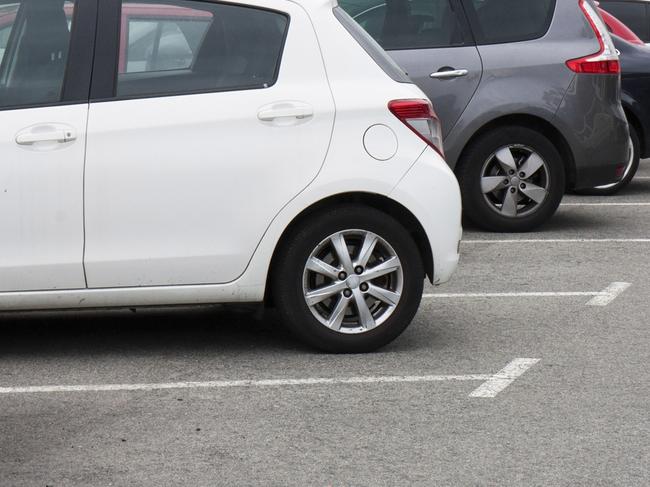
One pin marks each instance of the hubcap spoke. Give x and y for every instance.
(338, 314)
(365, 316)
(367, 249)
(534, 192)
(388, 297)
(319, 267)
(353, 281)
(533, 164)
(492, 183)
(342, 252)
(321, 294)
(386, 267)
(506, 160)
(521, 190)
(509, 206)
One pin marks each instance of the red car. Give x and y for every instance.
(619, 29)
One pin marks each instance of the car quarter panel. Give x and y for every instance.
(349, 168)
(596, 129)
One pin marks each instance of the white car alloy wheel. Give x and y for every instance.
(352, 281)
(348, 279)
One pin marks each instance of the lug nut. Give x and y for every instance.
(347, 293)
(511, 172)
(343, 276)
(364, 287)
(522, 174)
(522, 185)
(506, 182)
(513, 190)
(358, 269)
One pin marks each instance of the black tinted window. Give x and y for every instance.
(407, 24)
(634, 15)
(189, 46)
(498, 21)
(34, 43)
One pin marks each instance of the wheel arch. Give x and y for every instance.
(533, 122)
(634, 121)
(379, 202)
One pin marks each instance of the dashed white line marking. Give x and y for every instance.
(630, 203)
(612, 291)
(502, 379)
(557, 240)
(600, 298)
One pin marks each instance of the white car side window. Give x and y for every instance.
(192, 46)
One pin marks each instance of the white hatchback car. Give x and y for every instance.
(194, 151)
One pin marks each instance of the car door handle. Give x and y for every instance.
(449, 73)
(281, 110)
(33, 135)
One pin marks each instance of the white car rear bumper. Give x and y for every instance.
(430, 191)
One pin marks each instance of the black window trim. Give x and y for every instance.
(479, 37)
(107, 52)
(8, 54)
(78, 72)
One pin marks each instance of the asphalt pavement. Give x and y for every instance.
(222, 395)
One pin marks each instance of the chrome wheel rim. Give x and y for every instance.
(515, 181)
(628, 168)
(352, 281)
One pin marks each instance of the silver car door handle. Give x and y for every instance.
(298, 111)
(29, 137)
(454, 73)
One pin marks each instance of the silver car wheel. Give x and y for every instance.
(515, 181)
(352, 281)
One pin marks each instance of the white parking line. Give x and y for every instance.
(600, 298)
(512, 295)
(242, 383)
(557, 240)
(630, 203)
(612, 291)
(502, 379)
(511, 373)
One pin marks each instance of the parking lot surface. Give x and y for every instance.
(529, 368)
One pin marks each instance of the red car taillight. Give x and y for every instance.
(618, 28)
(605, 61)
(418, 115)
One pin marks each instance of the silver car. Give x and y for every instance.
(528, 92)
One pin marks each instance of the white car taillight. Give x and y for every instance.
(419, 116)
(605, 61)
